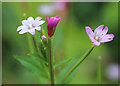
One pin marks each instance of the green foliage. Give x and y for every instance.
(62, 63)
(70, 36)
(32, 65)
(37, 57)
(64, 71)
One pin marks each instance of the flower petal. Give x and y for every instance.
(98, 30)
(38, 28)
(105, 30)
(107, 38)
(30, 19)
(38, 18)
(19, 28)
(41, 22)
(24, 22)
(96, 43)
(24, 30)
(47, 18)
(89, 31)
(32, 31)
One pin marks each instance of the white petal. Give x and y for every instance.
(30, 19)
(24, 22)
(36, 23)
(38, 28)
(41, 22)
(38, 18)
(19, 28)
(22, 31)
(32, 31)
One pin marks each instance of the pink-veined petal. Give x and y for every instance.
(19, 28)
(105, 30)
(96, 43)
(32, 31)
(89, 31)
(107, 38)
(92, 39)
(38, 18)
(38, 28)
(98, 30)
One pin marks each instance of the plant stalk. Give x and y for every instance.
(99, 70)
(30, 43)
(50, 59)
(79, 62)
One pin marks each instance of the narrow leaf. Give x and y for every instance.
(62, 63)
(33, 66)
(65, 70)
(38, 57)
(73, 66)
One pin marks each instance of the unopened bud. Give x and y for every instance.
(44, 37)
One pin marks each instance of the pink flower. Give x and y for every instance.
(99, 36)
(30, 25)
(52, 23)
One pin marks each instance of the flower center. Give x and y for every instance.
(97, 38)
(30, 26)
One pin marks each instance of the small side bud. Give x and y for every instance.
(44, 37)
(44, 40)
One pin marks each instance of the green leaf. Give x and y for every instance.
(72, 67)
(33, 66)
(70, 77)
(65, 70)
(37, 57)
(62, 63)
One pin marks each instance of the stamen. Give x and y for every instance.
(30, 25)
(97, 38)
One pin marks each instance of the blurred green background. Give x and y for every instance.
(70, 38)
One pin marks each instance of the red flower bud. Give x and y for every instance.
(52, 23)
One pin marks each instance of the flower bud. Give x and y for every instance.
(52, 23)
(44, 37)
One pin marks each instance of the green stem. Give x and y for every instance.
(79, 62)
(35, 42)
(30, 43)
(50, 59)
(99, 70)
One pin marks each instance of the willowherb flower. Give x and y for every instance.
(112, 71)
(52, 8)
(99, 36)
(30, 25)
(52, 23)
